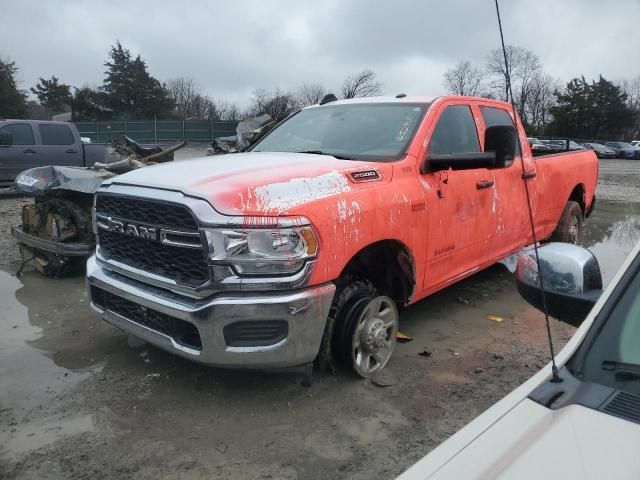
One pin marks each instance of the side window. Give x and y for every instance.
(455, 132)
(55, 135)
(21, 132)
(496, 116)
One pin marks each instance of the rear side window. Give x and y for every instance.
(55, 135)
(21, 132)
(496, 116)
(455, 132)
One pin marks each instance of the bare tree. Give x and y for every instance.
(223, 110)
(275, 102)
(632, 89)
(187, 95)
(362, 84)
(464, 79)
(309, 94)
(540, 99)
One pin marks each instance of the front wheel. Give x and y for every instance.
(569, 229)
(365, 328)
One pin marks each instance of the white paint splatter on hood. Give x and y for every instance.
(281, 196)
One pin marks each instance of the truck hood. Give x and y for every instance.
(533, 442)
(260, 183)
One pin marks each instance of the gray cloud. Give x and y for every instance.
(231, 48)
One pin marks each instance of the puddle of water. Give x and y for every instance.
(611, 233)
(28, 377)
(30, 436)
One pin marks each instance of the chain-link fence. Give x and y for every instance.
(157, 131)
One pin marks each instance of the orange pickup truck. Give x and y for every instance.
(306, 246)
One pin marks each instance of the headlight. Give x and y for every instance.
(262, 251)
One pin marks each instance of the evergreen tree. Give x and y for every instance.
(129, 88)
(595, 110)
(12, 99)
(52, 95)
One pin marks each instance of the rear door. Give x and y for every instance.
(59, 145)
(22, 154)
(510, 199)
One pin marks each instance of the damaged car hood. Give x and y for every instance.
(260, 183)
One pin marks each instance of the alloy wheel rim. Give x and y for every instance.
(374, 336)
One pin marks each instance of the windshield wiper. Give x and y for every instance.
(335, 155)
(624, 372)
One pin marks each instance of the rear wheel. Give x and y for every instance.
(365, 325)
(569, 229)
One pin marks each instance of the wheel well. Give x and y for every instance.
(389, 265)
(577, 195)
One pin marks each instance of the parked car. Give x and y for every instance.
(31, 143)
(587, 424)
(623, 149)
(28, 144)
(636, 143)
(307, 245)
(538, 147)
(601, 150)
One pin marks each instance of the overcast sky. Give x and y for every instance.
(234, 47)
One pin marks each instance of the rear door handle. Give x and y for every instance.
(484, 184)
(71, 150)
(28, 150)
(528, 175)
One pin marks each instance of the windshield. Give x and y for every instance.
(614, 357)
(351, 131)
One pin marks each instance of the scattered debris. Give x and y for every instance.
(222, 447)
(248, 132)
(425, 353)
(402, 338)
(478, 370)
(495, 318)
(463, 301)
(498, 356)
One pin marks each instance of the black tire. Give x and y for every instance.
(569, 228)
(361, 330)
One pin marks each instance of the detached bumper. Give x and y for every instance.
(67, 249)
(259, 330)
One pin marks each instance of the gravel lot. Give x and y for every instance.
(78, 399)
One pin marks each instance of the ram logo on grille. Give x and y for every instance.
(132, 229)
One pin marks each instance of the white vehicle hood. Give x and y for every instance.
(534, 442)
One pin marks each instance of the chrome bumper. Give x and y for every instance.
(305, 312)
(67, 249)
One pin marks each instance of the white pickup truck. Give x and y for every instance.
(586, 426)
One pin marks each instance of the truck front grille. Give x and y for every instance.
(182, 264)
(146, 212)
(182, 332)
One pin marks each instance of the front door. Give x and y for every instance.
(460, 203)
(22, 154)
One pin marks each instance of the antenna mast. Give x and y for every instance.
(554, 368)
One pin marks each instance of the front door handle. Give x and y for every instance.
(71, 150)
(484, 184)
(28, 150)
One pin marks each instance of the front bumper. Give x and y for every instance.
(67, 249)
(305, 312)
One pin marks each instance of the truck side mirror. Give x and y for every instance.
(501, 139)
(571, 278)
(6, 139)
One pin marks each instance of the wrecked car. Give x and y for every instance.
(248, 131)
(56, 235)
(306, 245)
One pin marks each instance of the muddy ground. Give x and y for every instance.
(78, 399)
